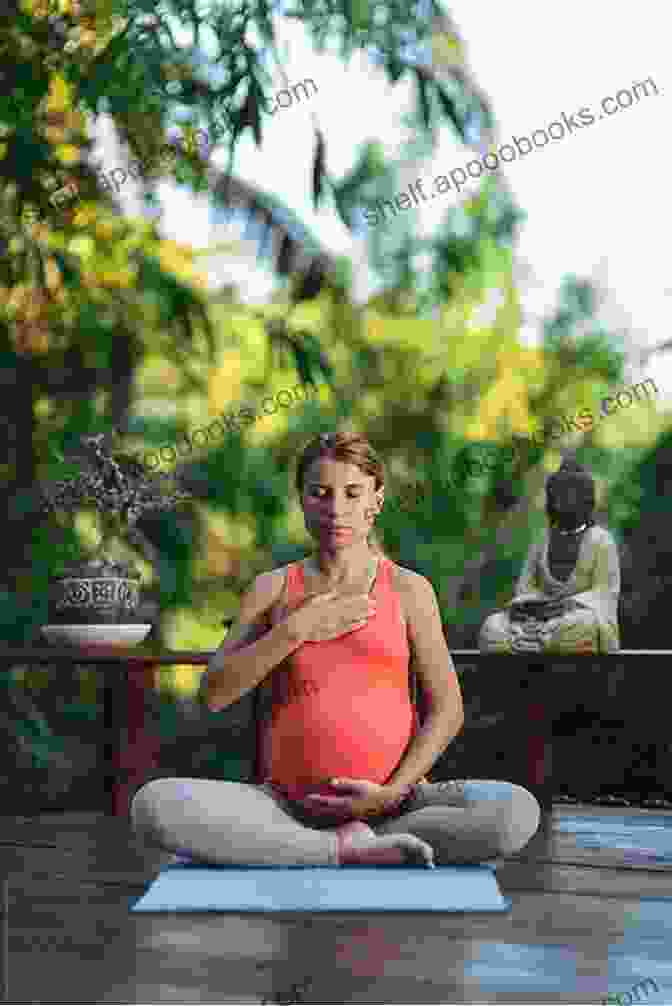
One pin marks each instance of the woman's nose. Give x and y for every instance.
(337, 509)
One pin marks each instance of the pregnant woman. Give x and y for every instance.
(344, 769)
(566, 600)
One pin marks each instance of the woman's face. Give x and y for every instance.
(339, 503)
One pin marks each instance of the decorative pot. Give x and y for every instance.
(91, 636)
(95, 591)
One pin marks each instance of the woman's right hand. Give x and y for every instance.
(326, 616)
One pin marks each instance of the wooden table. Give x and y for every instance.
(130, 750)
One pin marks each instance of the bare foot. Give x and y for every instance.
(358, 845)
(348, 832)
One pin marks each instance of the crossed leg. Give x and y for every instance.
(467, 821)
(227, 823)
(222, 822)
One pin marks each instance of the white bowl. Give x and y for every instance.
(106, 635)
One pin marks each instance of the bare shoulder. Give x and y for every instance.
(275, 578)
(263, 593)
(412, 586)
(255, 613)
(422, 615)
(270, 585)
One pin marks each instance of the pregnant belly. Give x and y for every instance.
(310, 741)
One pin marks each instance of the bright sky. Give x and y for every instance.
(596, 200)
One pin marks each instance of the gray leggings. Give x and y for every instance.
(466, 821)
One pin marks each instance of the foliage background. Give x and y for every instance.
(106, 324)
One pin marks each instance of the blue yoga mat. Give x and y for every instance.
(194, 887)
(643, 838)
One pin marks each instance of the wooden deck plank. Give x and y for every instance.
(389, 958)
(579, 919)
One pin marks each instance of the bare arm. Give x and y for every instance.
(434, 665)
(252, 649)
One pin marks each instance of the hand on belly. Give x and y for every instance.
(298, 795)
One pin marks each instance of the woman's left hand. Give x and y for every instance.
(361, 798)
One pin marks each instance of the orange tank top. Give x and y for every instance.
(340, 708)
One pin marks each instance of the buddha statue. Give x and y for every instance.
(566, 599)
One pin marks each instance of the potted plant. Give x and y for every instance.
(96, 598)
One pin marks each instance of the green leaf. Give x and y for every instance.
(449, 106)
(395, 69)
(318, 169)
(423, 95)
(70, 273)
(249, 113)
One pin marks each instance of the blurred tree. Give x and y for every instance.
(641, 506)
(102, 322)
(86, 295)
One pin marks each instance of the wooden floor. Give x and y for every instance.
(584, 923)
